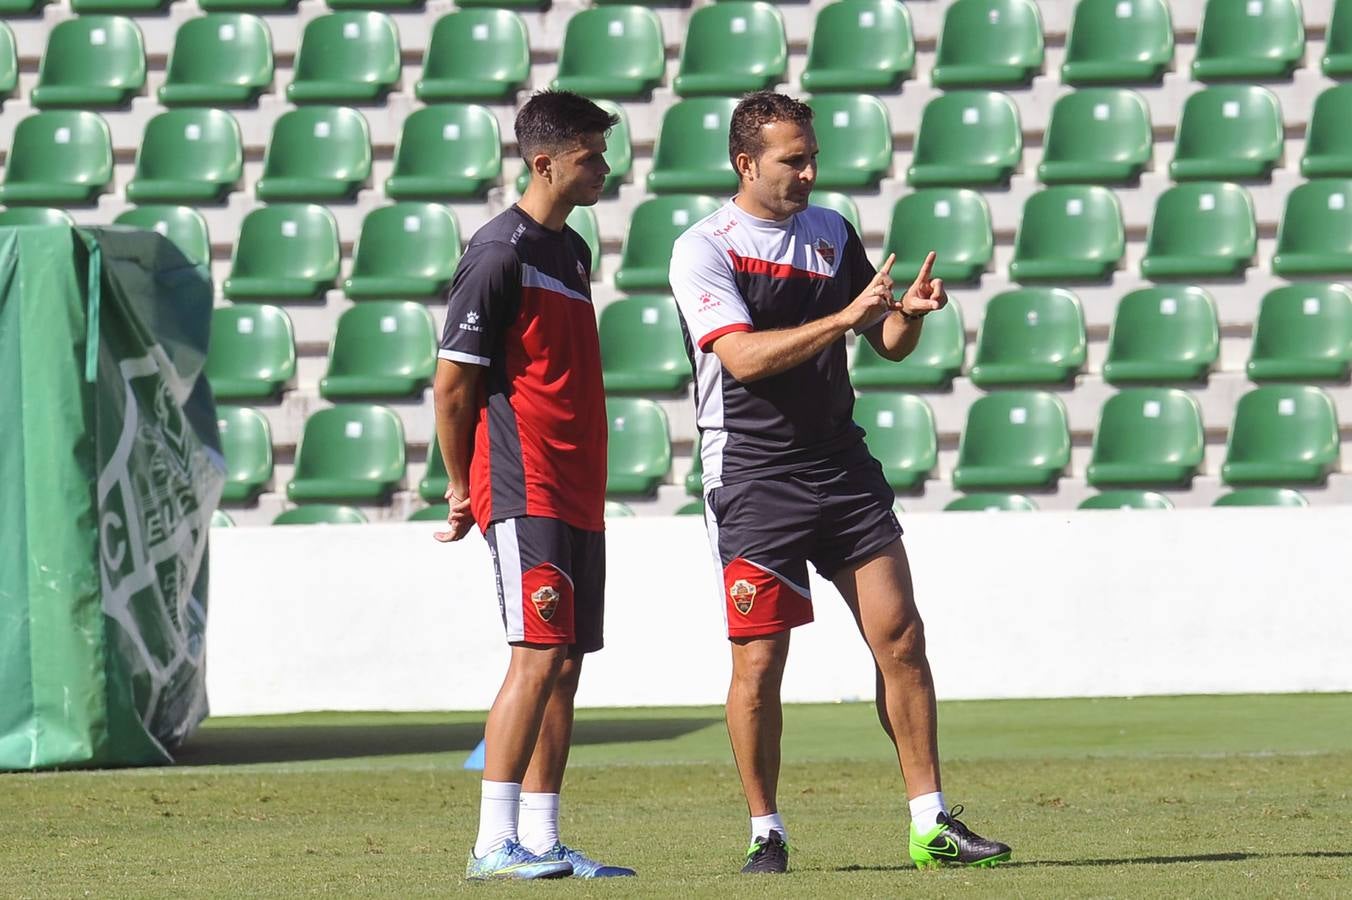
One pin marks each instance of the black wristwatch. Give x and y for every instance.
(911, 317)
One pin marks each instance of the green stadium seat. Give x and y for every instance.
(432, 486)
(188, 156)
(639, 457)
(953, 222)
(289, 250)
(261, 7)
(1316, 231)
(694, 479)
(616, 52)
(841, 203)
(1282, 434)
(17, 8)
(1328, 140)
(1253, 39)
(392, 6)
(859, 45)
(692, 148)
(1162, 334)
(9, 62)
(1013, 439)
(1030, 336)
(246, 444)
(583, 220)
(967, 137)
(855, 141)
(322, 514)
(642, 348)
(934, 363)
(125, 7)
(91, 61)
(989, 42)
(182, 226)
(450, 150)
(732, 48)
(1303, 333)
(218, 59)
(386, 348)
(475, 54)
(60, 157)
(1069, 232)
(436, 513)
(316, 153)
(353, 452)
(1204, 229)
(655, 225)
(693, 508)
(1119, 42)
(1337, 61)
(619, 153)
(900, 433)
(35, 215)
(617, 510)
(221, 519)
(1147, 436)
(506, 4)
(1096, 136)
(991, 502)
(1228, 132)
(406, 250)
(253, 352)
(1127, 499)
(346, 57)
(1263, 496)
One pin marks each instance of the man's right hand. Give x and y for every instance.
(460, 518)
(875, 299)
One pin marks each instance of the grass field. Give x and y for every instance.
(1160, 797)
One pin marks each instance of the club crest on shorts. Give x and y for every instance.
(743, 594)
(546, 601)
(826, 250)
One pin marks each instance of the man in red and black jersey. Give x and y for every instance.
(767, 287)
(521, 424)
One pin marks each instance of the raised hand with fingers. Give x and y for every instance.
(925, 294)
(874, 300)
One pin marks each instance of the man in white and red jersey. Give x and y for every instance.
(521, 424)
(767, 287)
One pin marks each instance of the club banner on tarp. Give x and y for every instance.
(110, 468)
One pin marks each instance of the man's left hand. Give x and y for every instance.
(925, 294)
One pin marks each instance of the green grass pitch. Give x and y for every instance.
(1242, 796)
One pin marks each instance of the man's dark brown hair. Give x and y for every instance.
(556, 120)
(756, 111)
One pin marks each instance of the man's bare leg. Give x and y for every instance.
(538, 827)
(756, 718)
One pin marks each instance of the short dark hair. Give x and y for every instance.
(754, 112)
(552, 120)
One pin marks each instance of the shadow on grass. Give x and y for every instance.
(1132, 861)
(298, 743)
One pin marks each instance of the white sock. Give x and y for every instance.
(538, 827)
(498, 805)
(925, 811)
(761, 826)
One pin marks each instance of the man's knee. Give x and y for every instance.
(758, 666)
(905, 647)
(538, 664)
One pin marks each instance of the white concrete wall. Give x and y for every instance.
(1016, 605)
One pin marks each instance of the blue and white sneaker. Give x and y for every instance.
(513, 861)
(584, 866)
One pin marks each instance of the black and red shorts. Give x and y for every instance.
(551, 581)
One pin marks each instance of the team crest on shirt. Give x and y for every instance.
(826, 250)
(743, 594)
(546, 601)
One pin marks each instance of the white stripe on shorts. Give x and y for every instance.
(509, 570)
(711, 526)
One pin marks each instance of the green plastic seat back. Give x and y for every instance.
(1096, 135)
(1015, 430)
(1149, 426)
(321, 142)
(417, 239)
(1127, 499)
(183, 226)
(1328, 142)
(35, 215)
(639, 456)
(899, 430)
(967, 137)
(988, 42)
(1282, 424)
(432, 486)
(953, 222)
(1304, 331)
(246, 444)
(642, 348)
(1228, 131)
(351, 445)
(488, 45)
(935, 361)
(458, 139)
(855, 140)
(1249, 39)
(196, 145)
(583, 220)
(61, 147)
(1203, 219)
(841, 203)
(1118, 42)
(230, 53)
(98, 52)
(615, 51)
(694, 479)
(1030, 335)
(1079, 226)
(1263, 496)
(9, 62)
(616, 510)
(507, 4)
(1337, 61)
(321, 514)
(1168, 333)
(435, 513)
(693, 146)
(384, 338)
(655, 225)
(253, 351)
(349, 47)
(731, 48)
(859, 45)
(991, 502)
(287, 240)
(1316, 229)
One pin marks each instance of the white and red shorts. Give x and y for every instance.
(551, 581)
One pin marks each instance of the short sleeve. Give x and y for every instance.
(485, 295)
(706, 294)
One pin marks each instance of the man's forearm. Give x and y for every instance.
(897, 337)
(455, 437)
(753, 355)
